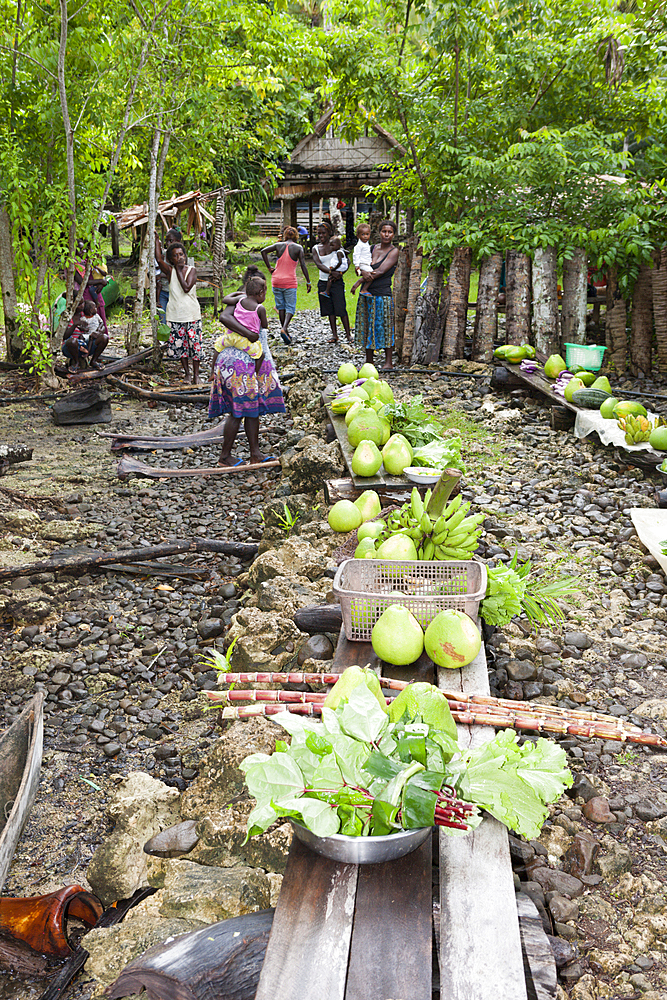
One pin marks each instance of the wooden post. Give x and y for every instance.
(355, 212)
(321, 215)
(113, 229)
(457, 310)
(659, 283)
(573, 312)
(426, 320)
(291, 219)
(410, 317)
(486, 316)
(615, 323)
(310, 219)
(401, 282)
(517, 316)
(545, 301)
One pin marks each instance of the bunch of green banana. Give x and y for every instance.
(636, 428)
(453, 535)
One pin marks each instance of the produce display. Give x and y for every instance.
(451, 640)
(372, 768)
(452, 535)
(637, 429)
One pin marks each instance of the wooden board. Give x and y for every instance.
(480, 950)
(362, 653)
(20, 768)
(382, 478)
(538, 959)
(345, 489)
(390, 953)
(128, 466)
(309, 945)
(540, 384)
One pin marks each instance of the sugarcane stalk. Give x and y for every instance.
(535, 722)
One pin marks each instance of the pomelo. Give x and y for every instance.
(397, 636)
(386, 393)
(359, 393)
(396, 455)
(372, 387)
(572, 386)
(369, 504)
(602, 382)
(367, 459)
(386, 429)
(553, 366)
(344, 516)
(370, 529)
(658, 439)
(587, 378)
(399, 547)
(452, 639)
(365, 549)
(347, 373)
(357, 405)
(365, 427)
(607, 408)
(368, 371)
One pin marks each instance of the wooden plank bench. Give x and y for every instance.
(347, 932)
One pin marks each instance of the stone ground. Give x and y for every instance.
(121, 657)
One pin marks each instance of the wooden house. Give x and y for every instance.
(323, 165)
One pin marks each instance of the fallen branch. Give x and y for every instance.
(160, 397)
(115, 366)
(12, 454)
(128, 466)
(91, 560)
(201, 439)
(166, 570)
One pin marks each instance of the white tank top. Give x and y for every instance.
(182, 307)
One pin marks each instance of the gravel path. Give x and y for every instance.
(121, 656)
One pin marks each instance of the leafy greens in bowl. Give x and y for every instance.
(370, 769)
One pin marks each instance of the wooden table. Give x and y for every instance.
(348, 932)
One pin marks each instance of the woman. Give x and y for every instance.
(332, 304)
(241, 392)
(283, 276)
(374, 323)
(183, 311)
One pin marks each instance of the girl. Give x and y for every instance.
(239, 389)
(251, 314)
(183, 312)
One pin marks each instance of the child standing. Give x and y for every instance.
(362, 258)
(341, 265)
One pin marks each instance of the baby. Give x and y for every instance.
(249, 312)
(341, 265)
(362, 258)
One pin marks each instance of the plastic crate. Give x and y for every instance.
(363, 588)
(589, 356)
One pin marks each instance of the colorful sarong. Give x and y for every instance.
(238, 390)
(185, 340)
(374, 322)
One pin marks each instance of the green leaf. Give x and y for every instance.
(362, 717)
(427, 702)
(417, 806)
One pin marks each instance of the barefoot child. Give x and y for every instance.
(342, 264)
(362, 258)
(251, 314)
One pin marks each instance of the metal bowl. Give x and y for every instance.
(660, 469)
(363, 850)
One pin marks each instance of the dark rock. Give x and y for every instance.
(582, 788)
(29, 632)
(546, 646)
(582, 853)
(90, 406)
(563, 951)
(514, 691)
(556, 881)
(317, 647)
(563, 909)
(111, 749)
(571, 653)
(571, 972)
(211, 628)
(647, 810)
(519, 850)
(578, 639)
(174, 841)
(533, 689)
(521, 670)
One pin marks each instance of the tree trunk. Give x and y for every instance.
(615, 323)
(659, 282)
(69, 151)
(426, 319)
(219, 246)
(13, 338)
(575, 283)
(401, 283)
(641, 328)
(132, 345)
(410, 315)
(457, 309)
(517, 316)
(486, 317)
(545, 301)
(115, 246)
(435, 344)
(150, 243)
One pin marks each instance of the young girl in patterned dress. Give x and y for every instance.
(239, 390)
(183, 312)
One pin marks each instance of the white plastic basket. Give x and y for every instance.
(363, 587)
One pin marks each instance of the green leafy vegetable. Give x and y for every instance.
(442, 453)
(364, 770)
(510, 591)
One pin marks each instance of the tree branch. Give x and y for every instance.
(543, 92)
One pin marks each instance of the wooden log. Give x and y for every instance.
(573, 307)
(427, 313)
(345, 489)
(486, 315)
(659, 287)
(129, 466)
(316, 618)
(161, 397)
(641, 327)
(457, 308)
(309, 944)
(12, 454)
(615, 323)
(221, 960)
(546, 330)
(517, 322)
(401, 282)
(158, 569)
(213, 435)
(112, 369)
(562, 418)
(94, 559)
